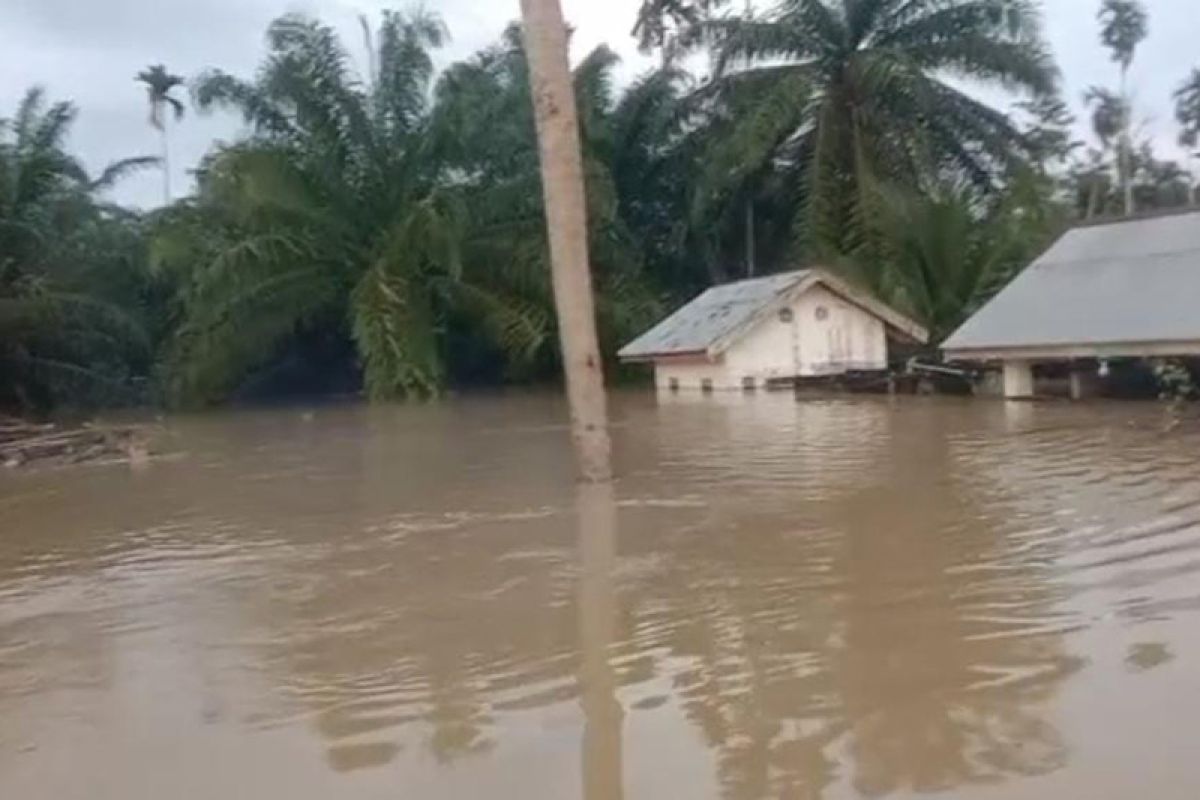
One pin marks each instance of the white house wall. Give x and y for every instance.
(691, 374)
(847, 338)
(843, 337)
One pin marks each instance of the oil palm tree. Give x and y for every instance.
(1123, 26)
(485, 125)
(659, 20)
(341, 215)
(70, 326)
(849, 94)
(947, 251)
(159, 84)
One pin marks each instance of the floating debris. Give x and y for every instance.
(25, 443)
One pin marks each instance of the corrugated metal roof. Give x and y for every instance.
(1131, 281)
(715, 314)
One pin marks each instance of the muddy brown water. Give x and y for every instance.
(778, 599)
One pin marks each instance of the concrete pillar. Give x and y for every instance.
(1018, 379)
(1084, 384)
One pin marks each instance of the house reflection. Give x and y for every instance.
(952, 649)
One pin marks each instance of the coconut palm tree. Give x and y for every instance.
(70, 277)
(159, 84)
(1123, 26)
(566, 217)
(849, 94)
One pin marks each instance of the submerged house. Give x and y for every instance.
(782, 327)
(1125, 289)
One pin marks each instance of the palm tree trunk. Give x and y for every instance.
(1124, 160)
(1192, 182)
(166, 160)
(566, 218)
(749, 238)
(1093, 198)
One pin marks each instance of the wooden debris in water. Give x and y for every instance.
(23, 443)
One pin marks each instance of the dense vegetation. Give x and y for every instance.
(385, 229)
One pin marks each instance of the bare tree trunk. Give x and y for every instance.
(566, 218)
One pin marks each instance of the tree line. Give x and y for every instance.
(384, 229)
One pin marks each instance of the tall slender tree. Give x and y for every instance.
(566, 218)
(159, 84)
(1123, 26)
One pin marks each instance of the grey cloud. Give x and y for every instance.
(89, 50)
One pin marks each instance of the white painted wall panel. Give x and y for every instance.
(690, 375)
(825, 336)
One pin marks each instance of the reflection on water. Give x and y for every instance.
(816, 599)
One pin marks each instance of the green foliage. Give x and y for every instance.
(658, 21)
(75, 326)
(484, 123)
(1175, 380)
(393, 217)
(1187, 109)
(943, 255)
(855, 95)
(1124, 24)
(159, 83)
(413, 227)
(1048, 132)
(1110, 113)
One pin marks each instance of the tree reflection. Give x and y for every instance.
(818, 600)
(748, 630)
(879, 629)
(950, 650)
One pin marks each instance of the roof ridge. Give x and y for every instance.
(769, 276)
(1139, 216)
(1109, 259)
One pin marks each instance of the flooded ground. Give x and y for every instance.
(824, 599)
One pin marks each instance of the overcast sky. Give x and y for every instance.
(89, 50)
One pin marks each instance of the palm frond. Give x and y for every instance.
(118, 170)
(406, 67)
(394, 328)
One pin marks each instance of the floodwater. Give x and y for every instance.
(779, 599)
